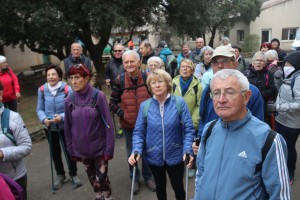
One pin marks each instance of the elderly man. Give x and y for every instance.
(224, 58)
(196, 53)
(240, 157)
(76, 57)
(146, 52)
(127, 94)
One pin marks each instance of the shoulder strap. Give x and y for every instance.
(293, 82)
(42, 89)
(95, 97)
(196, 91)
(144, 76)
(66, 90)
(5, 125)
(174, 87)
(265, 149)
(206, 98)
(146, 107)
(178, 105)
(122, 81)
(209, 130)
(94, 104)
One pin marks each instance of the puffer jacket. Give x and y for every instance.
(227, 162)
(12, 164)
(191, 99)
(288, 107)
(49, 105)
(10, 85)
(163, 139)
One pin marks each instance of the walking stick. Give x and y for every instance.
(187, 160)
(51, 156)
(63, 146)
(133, 178)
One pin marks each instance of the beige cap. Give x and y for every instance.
(223, 51)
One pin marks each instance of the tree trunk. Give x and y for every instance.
(213, 35)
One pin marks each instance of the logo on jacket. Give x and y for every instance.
(243, 154)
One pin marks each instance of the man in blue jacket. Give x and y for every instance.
(233, 162)
(224, 58)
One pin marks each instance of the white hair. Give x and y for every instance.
(232, 73)
(271, 54)
(157, 60)
(131, 52)
(259, 54)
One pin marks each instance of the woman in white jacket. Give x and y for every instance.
(14, 147)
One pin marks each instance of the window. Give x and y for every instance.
(240, 35)
(266, 35)
(288, 33)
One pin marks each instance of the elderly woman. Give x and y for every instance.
(160, 136)
(204, 66)
(88, 129)
(263, 79)
(155, 62)
(188, 86)
(288, 107)
(15, 144)
(265, 46)
(50, 111)
(185, 53)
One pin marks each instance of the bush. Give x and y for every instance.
(251, 43)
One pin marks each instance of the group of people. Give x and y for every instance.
(164, 103)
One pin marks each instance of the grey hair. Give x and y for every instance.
(205, 48)
(259, 54)
(225, 38)
(131, 52)
(156, 59)
(146, 44)
(232, 73)
(271, 54)
(119, 44)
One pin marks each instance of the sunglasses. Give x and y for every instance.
(118, 51)
(78, 66)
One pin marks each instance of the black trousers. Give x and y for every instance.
(23, 183)
(56, 153)
(176, 177)
(12, 105)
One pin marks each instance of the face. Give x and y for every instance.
(259, 63)
(76, 50)
(264, 49)
(228, 99)
(159, 87)
(3, 65)
(118, 51)
(131, 64)
(185, 70)
(237, 53)
(199, 43)
(144, 50)
(78, 82)
(274, 44)
(225, 42)
(154, 65)
(206, 56)
(221, 62)
(52, 77)
(185, 49)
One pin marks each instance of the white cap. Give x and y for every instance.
(2, 59)
(223, 51)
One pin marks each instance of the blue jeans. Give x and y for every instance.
(145, 168)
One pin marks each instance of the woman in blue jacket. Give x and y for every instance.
(164, 134)
(50, 111)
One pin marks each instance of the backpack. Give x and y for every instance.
(14, 187)
(93, 104)
(122, 83)
(5, 126)
(195, 90)
(42, 89)
(171, 65)
(148, 102)
(293, 82)
(264, 151)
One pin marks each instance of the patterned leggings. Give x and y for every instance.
(96, 169)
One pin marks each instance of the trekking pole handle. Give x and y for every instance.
(187, 158)
(197, 141)
(135, 157)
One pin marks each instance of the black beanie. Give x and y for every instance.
(294, 59)
(275, 39)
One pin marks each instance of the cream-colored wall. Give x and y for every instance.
(21, 61)
(282, 15)
(233, 33)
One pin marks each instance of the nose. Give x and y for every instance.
(222, 98)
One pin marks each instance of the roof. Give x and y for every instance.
(271, 3)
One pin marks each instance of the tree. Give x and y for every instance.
(50, 27)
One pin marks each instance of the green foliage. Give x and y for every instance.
(251, 43)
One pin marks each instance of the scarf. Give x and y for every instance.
(54, 89)
(185, 84)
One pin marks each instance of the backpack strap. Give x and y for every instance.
(293, 82)
(174, 87)
(5, 125)
(206, 99)
(209, 130)
(178, 105)
(265, 149)
(196, 92)
(66, 90)
(146, 107)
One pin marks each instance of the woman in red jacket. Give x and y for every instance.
(11, 87)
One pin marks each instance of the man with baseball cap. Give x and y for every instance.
(224, 58)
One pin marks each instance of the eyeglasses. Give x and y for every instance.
(228, 94)
(155, 83)
(78, 66)
(186, 67)
(119, 51)
(221, 60)
(262, 61)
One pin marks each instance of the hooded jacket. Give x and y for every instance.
(227, 161)
(10, 85)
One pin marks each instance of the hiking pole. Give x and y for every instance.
(133, 178)
(63, 146)
(51, 155)
(187, 160)
(113, 117)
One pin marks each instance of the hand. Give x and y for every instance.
(195, 148)
(57, 118)
(271, 107)
(107, 81)
(132, 160)
(1, 155)
(18, 94)
(47, 122)
(190, 164)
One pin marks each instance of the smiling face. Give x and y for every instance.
(118, 51)
(232, 107)
(52, 77)
(131, 64)
(206, 56)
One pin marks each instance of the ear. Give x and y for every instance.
(247, 96)
(87, 79)
(236, 64)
